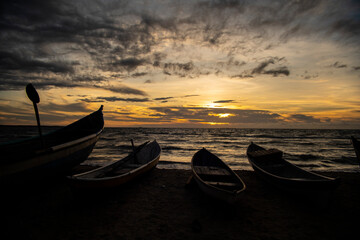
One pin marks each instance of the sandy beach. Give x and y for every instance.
(161, 206)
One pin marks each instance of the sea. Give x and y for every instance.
(314, 150)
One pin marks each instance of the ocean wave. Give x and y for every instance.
(315, 149)
(174, 140)
(171, 148)
(305, 143)
(307, 166)
(346, 160)
(302, 157)
(308, 156)
(173, 162)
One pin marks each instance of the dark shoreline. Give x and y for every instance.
(160, 206)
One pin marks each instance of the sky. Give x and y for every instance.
(241, 64)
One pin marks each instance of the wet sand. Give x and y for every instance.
(161, 206)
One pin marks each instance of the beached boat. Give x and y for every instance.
(270, 164)
(356, 146)
(141, 160)
(215, 178)
(53, 153)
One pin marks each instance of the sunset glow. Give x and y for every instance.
(221, 115)
(263, 64)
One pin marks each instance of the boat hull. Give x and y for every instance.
(32, 162)
(220, 182)
(50, 164)
(113, 182)
(88, 180)
(297, 186)
(216, 193)
(291, 178)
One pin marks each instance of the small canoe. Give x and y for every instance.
(141, 160)
(215, 178)
(356, 146)
(270, 165)
(55, 154)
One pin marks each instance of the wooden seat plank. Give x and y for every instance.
(206, 170)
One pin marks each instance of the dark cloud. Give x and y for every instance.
(23, 62)
(260, 69)
(91, 79)
(290, 19)
(277, 71)
(140, 74)
(224, 101)
(163, 98)
(153, 22)
(114, 99)
(128, 99)
(11, 82)
(122, 90)
(213, 18)
(90, 100)
(307, 75)
(223, 5)
(69, 44)
(231, 63)
(128, 64)
(287, 17)
(31, 30)
(199, 114)
(339, 65)
(348, 26)
(304, 118)
(192, 95)
(243, 75)
(179, 69)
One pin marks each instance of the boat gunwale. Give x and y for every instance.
(73, 142)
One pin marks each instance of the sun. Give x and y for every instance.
(221, 115)
(211, 105)
(224, 115)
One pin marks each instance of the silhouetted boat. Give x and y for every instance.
(56, 153)
(271, 165)
(215, 178)
(356, 146)
(141, 160)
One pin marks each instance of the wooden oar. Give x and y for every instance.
(34, 97)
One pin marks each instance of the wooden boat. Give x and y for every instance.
(53, 154)
(215, 178)
(356, 146)
(271, 165)
(143, 159)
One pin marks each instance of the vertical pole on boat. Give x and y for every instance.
(133, 148)
(34, 97)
